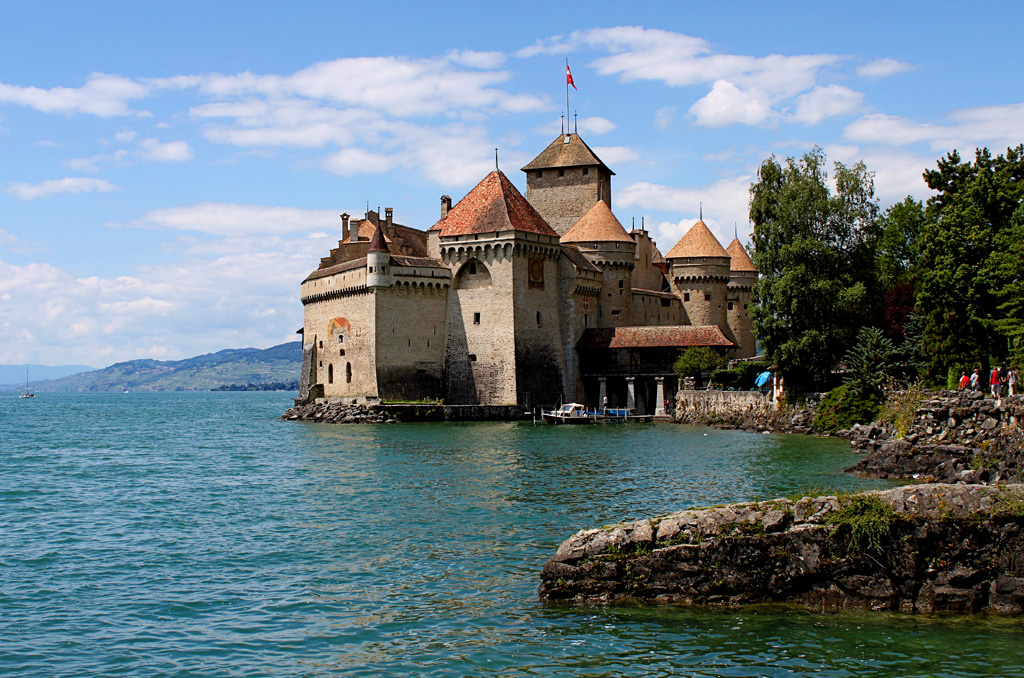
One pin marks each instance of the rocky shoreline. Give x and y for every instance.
(921, 548)
(955, 437)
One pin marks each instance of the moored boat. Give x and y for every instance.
(569, 413)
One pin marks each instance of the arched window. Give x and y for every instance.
(348, 373)
(330, 374)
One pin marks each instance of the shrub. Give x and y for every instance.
(901, 402)
(843, 407)
(697, 359)
(868, 519)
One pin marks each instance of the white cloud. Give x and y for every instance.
(228, 219)
(44, 189)
(996, 127)
(883, 68)
(352, 161)
(897, 171)
(727, 104)
(677, 59)
(173, 151)
(101, 95)
(826, 102)
(125, 136)
(614, 155)
(725, 202)
(663, 116)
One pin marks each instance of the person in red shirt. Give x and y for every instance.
(995, 383)
(964, 380)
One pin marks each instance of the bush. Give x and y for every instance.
(843, 407)
(869, 521)
(740, 377)
(697, 359)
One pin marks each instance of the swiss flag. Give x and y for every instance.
(568, 76)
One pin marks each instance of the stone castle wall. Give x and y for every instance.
(411, 337)
(562, 200)
(350, 349)
(540, 362)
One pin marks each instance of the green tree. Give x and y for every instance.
(697, 359)
(899, 229)
(869, 364)
(967, 279)
(815, 253)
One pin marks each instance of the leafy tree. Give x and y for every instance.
(899, 229)
(697, 359)
(968, 281)
(815, 253)
(869, 364)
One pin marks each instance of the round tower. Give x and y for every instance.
(743, 277)
(699, 270)
(378, 260)
(603, 240)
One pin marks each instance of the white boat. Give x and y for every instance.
(27, 393)
(569, 413)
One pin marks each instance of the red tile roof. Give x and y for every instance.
(377, 243)
(597, 225)
(698, 242)
(740, 259)
(668, 336)
(493, 205)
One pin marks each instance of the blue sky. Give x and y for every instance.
(170, 172)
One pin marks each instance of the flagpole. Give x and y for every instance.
(567, 91)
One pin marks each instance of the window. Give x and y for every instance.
(472, 268)
(730, 305)
(538, 319)
(348, 373)
(371, 269)
(707, 297)
(410, 342)
(586, 171)
(561, 172)
(666, 302)
(321, 344)
(472, 357)
(341, 338)
(686, 296)
(616, 313)
(540, 173)
(586, 321)
(330, 374)
(341, 351)
(476, 318)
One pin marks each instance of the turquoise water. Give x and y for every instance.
(195, 534)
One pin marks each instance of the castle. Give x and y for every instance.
(520, 300)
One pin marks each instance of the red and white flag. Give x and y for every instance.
(568, 76)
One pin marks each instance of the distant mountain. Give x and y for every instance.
(15, 374)
(230, 367)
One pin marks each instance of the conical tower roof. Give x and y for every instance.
(597, 225)
(568, 150)
(740, 259)
(699, 241)
(493, 205)
(377, 242)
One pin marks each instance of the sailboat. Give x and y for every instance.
(27, 393)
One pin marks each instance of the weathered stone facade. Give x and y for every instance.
(490, 305)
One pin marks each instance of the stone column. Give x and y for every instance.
(659, 396)
(602, 392)
(630, 393)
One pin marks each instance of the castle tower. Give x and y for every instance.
(504, 336)
(566, 180)
(699, 270)
(600, 236)
(743, 277)
(377, 259)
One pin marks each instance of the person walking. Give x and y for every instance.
(994, 383)
(965, 381)
(1011, 380)
(975, 378)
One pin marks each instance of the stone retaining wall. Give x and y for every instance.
(750, 410)
(955, 548)
(347, 412)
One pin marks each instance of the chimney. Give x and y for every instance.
(389, 212)
(446, 204)
(346, 232)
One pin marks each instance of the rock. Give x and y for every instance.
(948, 548)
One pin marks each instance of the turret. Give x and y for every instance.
(699, 273)
(743, 277)
(604, 241)
(378, 261)
(566, 180)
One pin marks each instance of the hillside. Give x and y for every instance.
(14, 375)
(231, 366)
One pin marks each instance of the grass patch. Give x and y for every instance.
(868, 519)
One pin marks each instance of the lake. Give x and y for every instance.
(196, 534)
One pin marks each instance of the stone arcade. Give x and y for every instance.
(520, 300)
